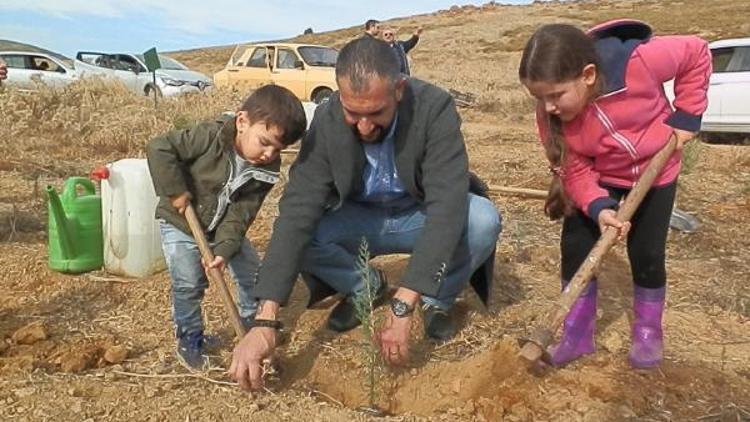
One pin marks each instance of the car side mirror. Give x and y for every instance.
(298, 64)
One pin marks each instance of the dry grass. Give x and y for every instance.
(48, 136)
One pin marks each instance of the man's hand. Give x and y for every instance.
(394, 334)
(218, 262)
(683, 137)
(418, 32)
(608, 218)
(247, 358)
(257, 345)
(181, 202)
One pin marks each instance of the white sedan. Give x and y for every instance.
(729, 90)
(28, 70)
(173, 78)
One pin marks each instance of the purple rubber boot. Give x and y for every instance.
(578, 330)
(648, 339)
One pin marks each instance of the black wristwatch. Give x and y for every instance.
(269, 323)
(400, 308)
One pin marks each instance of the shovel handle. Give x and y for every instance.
(536, 345)
(215, 276)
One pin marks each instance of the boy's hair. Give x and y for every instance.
(364, 58)
(557, 53)
(277, 106)
(370, 23)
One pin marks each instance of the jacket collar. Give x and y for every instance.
(614, 42)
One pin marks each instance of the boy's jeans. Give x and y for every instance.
(189, 279)
(332, 255)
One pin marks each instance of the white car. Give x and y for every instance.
(173, 78)
(729, 90)
(27, 70)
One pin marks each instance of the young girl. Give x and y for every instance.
(602, 114)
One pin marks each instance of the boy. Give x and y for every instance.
(225, 169)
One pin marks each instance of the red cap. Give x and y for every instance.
(99, 174)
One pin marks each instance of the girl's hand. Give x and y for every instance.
(683, 137)
(608, 218)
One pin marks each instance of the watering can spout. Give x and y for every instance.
(61, 223)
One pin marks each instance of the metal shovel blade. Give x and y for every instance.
(683, 222)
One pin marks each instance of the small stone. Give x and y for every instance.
(626, 412)
(30, 334)
(116, 354)
(613, 342)
(413, 372)
(24, 392)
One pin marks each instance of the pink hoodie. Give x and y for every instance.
(613, 139)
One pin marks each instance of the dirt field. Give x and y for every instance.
(63, 338)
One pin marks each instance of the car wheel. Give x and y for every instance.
(321, 95)
(150, 91)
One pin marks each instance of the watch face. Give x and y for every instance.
(399, 308)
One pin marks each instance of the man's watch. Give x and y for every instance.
(400, 308)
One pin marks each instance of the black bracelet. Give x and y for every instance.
(268, 323)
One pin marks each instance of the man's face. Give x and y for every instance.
(389, 35)
(374, 30)
(371, 111)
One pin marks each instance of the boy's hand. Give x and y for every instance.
(418, 32)
(608, 218)
(218, 262)
(683, 137)
(181, 202)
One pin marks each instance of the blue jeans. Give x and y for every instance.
(332, 255)
(189, 279)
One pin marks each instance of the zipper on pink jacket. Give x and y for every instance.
(621, 139)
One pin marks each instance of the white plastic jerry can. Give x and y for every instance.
(132, 243)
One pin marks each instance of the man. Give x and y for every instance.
(401, 48)
(384, 159)
(372, 28)
(3, 71)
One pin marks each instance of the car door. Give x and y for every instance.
(289, 71)
(733, 83)
(253, 72)
(126, 70)
(20, 72)
(50, 72)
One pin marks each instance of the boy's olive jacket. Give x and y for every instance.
(199, 160)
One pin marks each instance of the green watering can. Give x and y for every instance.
(75, 227)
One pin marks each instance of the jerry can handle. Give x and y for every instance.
(70, 189)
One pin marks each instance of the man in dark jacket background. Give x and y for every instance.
(384, 159)
(401, 48)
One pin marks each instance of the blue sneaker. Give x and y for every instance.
(192, 348)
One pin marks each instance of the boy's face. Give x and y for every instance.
(255, 142)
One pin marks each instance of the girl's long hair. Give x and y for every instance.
(557, 53)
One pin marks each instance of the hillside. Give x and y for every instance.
(52, 135)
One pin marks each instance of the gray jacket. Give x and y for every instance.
(432, 165)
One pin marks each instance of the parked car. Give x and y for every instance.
(729, 89)
(173, 78)
(307, 70)
(27, 70)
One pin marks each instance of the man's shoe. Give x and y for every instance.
(192, 348)
(343, 317)
(439, 324)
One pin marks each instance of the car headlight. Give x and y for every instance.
(171, 82)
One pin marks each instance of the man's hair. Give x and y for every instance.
(277, 106)
(363, 58)
(370, 23)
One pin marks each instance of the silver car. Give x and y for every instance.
(172, 79)
(29, 70)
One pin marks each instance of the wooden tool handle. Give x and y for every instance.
(537, 343)
(214, 274)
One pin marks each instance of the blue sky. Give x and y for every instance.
(67, 26)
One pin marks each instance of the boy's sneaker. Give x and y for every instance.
(192, 348)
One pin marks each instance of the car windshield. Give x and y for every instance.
(65, 60)
(167, 63)
(319, 56)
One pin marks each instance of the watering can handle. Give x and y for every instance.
(70, 190)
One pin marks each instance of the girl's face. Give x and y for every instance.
(565, 99)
